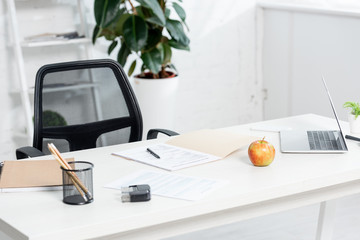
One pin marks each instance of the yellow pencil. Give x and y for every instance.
(74, 178)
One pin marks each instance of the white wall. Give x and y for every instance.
(218, 82)
(5, 104)
(300, 45)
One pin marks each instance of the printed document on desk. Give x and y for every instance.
(170, 184)
(171, 157)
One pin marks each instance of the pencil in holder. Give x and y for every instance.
(78, 183)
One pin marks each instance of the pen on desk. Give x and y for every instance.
(153, 153)
(352, 138)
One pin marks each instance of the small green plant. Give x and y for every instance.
(53, 119)
(145, 28)
(355, 108)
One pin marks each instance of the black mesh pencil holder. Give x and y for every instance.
(78, 183)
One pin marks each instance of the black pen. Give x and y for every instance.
(352, 138)
(153, 153)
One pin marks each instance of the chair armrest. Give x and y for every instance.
(28, 152)
(152, 134)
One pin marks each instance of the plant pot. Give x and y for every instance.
(157, 99)
(354, 123)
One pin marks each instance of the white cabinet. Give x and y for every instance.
(29, 18)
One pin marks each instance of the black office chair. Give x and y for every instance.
(84, 104)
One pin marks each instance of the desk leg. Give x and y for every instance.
(326, 220)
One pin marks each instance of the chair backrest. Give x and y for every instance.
(84, 104)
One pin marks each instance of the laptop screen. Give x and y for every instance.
(332, 104)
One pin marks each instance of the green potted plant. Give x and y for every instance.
(353, 116)
(144, 28)
(150, 30)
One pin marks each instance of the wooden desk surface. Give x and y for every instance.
(292, 180)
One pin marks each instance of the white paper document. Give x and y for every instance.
(170, 184)
(171, 157)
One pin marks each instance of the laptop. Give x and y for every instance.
(302, 141)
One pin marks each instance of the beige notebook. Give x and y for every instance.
(31, 173)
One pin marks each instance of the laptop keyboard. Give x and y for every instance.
(323, 140)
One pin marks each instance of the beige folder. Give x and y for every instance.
(31, 173)
(217, 142)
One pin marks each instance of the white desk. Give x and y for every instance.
(292, 180)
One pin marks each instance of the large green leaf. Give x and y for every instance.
(154, 37)
(132, 68)
(96, 34)
(154, 20)
(176, 31)
(155, 7)
(152, 60)
(180, 11)
(139, 10)
(166, 53)
(119, 24)
(99, 10)
(123, 54)
(113, 30)
(112, 46)
(177, 45)
(167, 13)
(135, 33)
(106, 11)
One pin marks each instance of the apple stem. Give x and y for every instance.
(263, 139)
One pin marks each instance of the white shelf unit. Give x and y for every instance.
(55, 43)
(20, 45)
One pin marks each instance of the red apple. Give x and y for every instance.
(261, 153)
